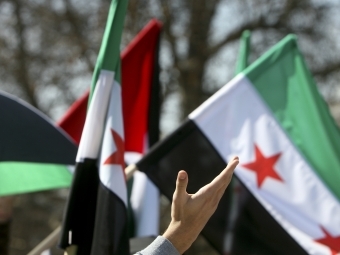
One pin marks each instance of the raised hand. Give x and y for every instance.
(190, 212)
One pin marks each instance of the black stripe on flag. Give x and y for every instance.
(111, 229)
(27, 135)
(253, 230)
(81, 208)
(95, 219)
(155, 102)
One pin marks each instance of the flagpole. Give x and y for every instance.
(52, 238)
(47, 243)
(129, 171)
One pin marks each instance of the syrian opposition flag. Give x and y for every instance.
(33, 151)
(271, 116)
(141, 106)
(96, 216)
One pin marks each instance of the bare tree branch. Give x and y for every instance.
(328, 69)
(22, 73)
(81, 41)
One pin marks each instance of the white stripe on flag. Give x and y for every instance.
(112, 175)
(144, 201)
(94, 124)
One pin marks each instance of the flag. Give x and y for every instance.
(272, 116)
(34, 151)
(96, 215)
(141, 104)
(141, 110)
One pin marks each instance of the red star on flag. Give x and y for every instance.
(263, 166)
(332, 242)
(116, 158)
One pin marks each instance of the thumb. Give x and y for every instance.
(181, 183)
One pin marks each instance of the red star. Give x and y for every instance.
(263, 166)
(116, 158)
(332, 242)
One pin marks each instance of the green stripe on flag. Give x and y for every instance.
(22, 177)
(299, 108)
(242, 61)
(109, 54)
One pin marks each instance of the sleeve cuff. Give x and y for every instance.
(160, 246)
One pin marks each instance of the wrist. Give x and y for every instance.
(180, 236)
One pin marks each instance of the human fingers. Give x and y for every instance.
(222, 180)
(180, 195)
(181, 184)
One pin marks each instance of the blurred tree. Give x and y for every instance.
(48, 48)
